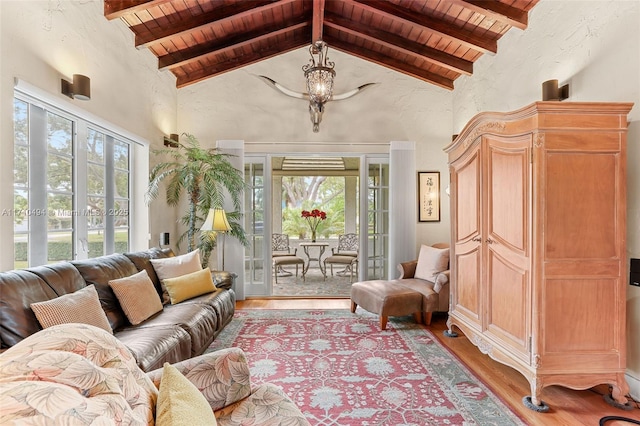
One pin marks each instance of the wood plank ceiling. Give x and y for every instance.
(432, 40)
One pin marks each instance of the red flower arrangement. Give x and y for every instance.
(313, 218)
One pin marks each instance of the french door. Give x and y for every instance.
(373, 221)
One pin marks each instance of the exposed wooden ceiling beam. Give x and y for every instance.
(396, 13)
(114, 9)
(217, 47)
(497, 11)
(239, 62)
(317, 21)
(385, 61)
(395, 42)
(226, 13)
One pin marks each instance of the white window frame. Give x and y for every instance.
(138, 222)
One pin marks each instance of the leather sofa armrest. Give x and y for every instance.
(224, 279)
(222, 376)
(407, 269)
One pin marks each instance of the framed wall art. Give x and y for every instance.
(428, 196)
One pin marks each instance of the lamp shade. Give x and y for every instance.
(216, 221)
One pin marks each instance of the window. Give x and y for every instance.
(71, 186)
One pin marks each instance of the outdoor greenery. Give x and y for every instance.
(325, 193)
(60, 247)
(205, 176)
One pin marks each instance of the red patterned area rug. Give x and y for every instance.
(341, 370)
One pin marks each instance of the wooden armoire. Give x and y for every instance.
(538, 260)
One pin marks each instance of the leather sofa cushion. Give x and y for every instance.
(223, 304)
(19, 289)
(199, 321)
(62, 277)
(99, 271)
(153, 346)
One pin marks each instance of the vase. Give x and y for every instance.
(313, 236)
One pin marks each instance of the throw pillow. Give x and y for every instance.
(137, 296)
(176, 266)
(81, 306)
(431, 261)
(180, 402)
(189, 285)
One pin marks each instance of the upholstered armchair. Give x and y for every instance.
(429, 275)
(283, 255)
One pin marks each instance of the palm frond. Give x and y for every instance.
(206, 176)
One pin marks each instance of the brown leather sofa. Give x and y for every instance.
(176, 333)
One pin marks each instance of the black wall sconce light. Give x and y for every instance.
(79, 89)
(172, 141)
(551, 91)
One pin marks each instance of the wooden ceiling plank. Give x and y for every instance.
(385, 61)
(381, 7)
(400, 44)
(497, 11)
(114, 9)
(195, 53)
(216, 17)
(317, 20)
(220, 68)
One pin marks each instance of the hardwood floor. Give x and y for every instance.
(568, 407)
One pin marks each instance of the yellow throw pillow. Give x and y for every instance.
(137, 296)
(189, 285)
(82, 306)
(180, 402)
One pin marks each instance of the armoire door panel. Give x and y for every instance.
(467, 298)
(508, 304)
(582, 208)
(467, 197)
(508, 184)
(580, 315)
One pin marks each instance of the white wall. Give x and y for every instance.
(595, 47)
(44, 41)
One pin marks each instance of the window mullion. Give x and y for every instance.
(81, 219)
(109, 192)
(37, 206)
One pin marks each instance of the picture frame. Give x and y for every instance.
(428, 196)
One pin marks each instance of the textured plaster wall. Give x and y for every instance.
(238, 105)
(595, 47)
(44, 41)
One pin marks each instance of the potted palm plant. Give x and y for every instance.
(205, 176)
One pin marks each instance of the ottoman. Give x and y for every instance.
(384, 298)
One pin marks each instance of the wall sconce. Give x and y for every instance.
(173, 141)
(79, 89)
(551, 91)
